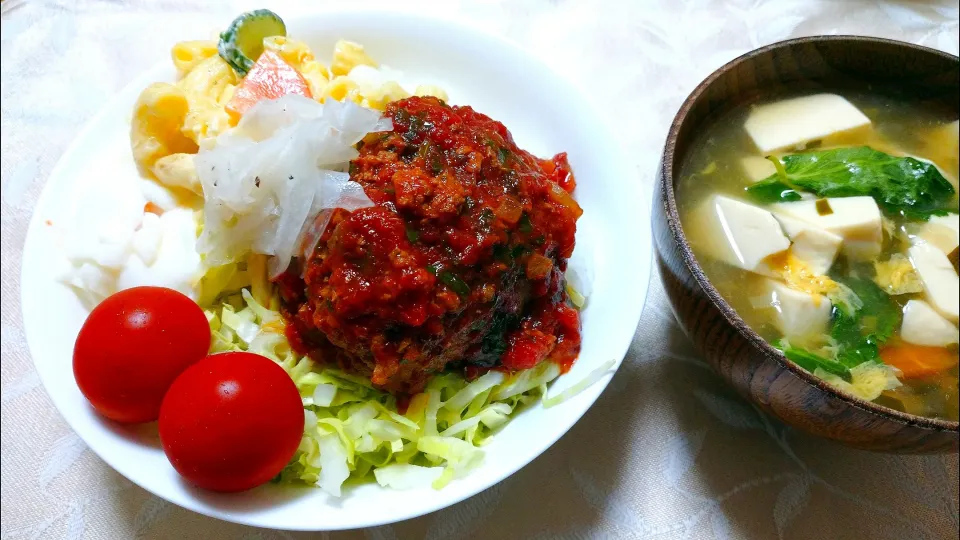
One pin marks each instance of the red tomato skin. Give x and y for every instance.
(131, 348)
(231, 421)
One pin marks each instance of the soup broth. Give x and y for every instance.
(830, 224)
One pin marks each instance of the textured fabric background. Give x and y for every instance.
(667, 452)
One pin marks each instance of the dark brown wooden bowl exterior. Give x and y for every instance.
(759, 371)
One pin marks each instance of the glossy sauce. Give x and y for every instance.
(458, 266)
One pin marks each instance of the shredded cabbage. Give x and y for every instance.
(581, 385)
(353, 430)
(405, 476)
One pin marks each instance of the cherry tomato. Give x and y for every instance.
(131, 348)
(231, 421)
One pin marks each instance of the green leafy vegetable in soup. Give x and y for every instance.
(855, 335)
(859, 334)
(902, 186)
(811, 362)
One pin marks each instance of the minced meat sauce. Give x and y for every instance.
(459, 265)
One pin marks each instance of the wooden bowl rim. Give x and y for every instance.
(673, 221)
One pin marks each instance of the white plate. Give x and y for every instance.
(546, 114)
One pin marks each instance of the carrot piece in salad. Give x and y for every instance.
(152, 208)
(270, 78)
(917, 361)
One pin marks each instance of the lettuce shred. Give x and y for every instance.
(353, 431)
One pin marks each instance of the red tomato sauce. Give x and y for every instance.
(459, 266)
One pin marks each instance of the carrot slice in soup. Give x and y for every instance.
(271, 77)
(918, 361)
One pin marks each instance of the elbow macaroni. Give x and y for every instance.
(389, 91)
(348, 55)
(205, 87)
(293, 51)
(317, 76)
(342, 88)
(173, 121)
(155, 130)
(177, 170)
(208, 78)
(187, 54)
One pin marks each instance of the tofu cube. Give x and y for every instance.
(798, 314)
(816, 247)
(740, 234)
(941, 284)
(855, 219)
(943, 232)
(793, 123)
(757, 168)
(922, 325)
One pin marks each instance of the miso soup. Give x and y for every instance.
(830, 223)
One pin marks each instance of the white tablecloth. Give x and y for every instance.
(667, 452)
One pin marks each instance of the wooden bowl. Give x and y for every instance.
(759, 371)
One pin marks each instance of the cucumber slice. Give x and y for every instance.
(242, 42)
